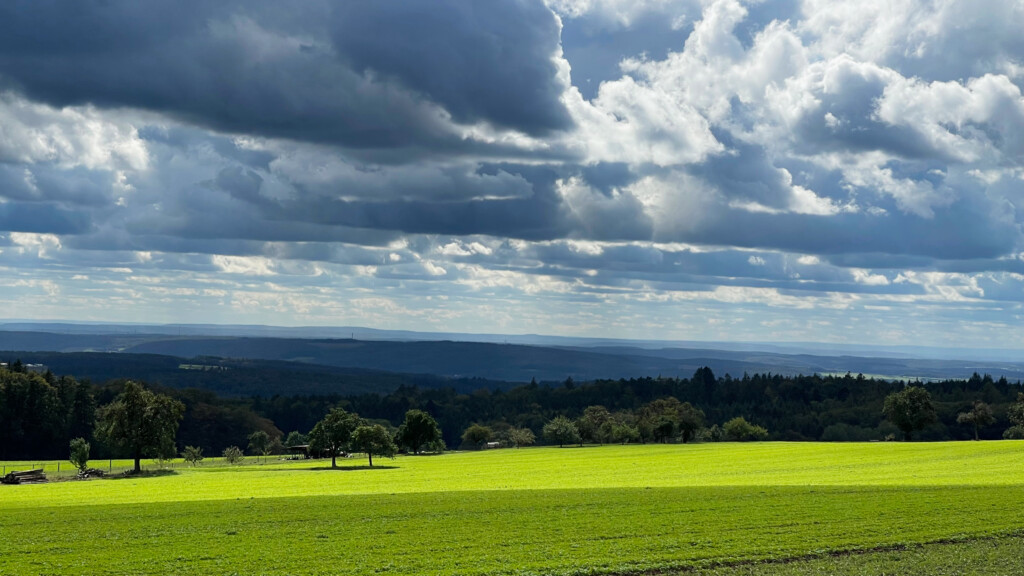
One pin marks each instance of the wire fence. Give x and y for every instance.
(57, 470)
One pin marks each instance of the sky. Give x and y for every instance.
(842, 171)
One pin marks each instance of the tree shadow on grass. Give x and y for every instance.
(143, 474)
(354, 468)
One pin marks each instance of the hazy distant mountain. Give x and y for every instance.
(133, 332)
(495, 361)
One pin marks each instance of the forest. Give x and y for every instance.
(40, 413)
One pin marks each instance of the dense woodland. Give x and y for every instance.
(40, 413)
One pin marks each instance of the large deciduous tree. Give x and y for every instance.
(1016, 415)
(419, 430)
(373, 439)
(520, 437)
(332, 434)
(476, 435)
(259, 443)
(1016, 411)
(979, 415)
(140, 422)
(592, 424)
(560, 430)
(909, 409)
(659, 419)
(691, 420)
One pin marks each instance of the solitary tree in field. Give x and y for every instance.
(192, 454)
(909, 409)
(332, 434)
(521, 437)
(141, 422)
(978, 416)
(233, 455)
(418, 430)
(373, 439)
(80, 454)
(476, 435)
(560, 430)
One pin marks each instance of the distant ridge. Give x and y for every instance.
(504, 362)
(364, 333)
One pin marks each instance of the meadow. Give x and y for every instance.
(721, 508)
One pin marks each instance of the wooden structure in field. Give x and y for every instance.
(25, 477)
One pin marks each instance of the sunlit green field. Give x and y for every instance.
(545, 511)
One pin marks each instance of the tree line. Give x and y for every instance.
(41, 413)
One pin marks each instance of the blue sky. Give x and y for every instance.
(833, 171)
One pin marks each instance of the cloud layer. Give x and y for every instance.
(823, 171)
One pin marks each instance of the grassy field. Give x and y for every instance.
(610, 509)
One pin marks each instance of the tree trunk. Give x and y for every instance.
(906, 436)
(370, 454)
(976, 432)
(138, 460)
(334, 460)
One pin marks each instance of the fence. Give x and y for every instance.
(61, 469)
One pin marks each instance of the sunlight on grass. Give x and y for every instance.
(543, 510)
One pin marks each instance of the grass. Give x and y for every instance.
(608, 509)
(988, 556)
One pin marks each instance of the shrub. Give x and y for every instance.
(1014, 433)
(476, 435)
(192, 454)
(80, 454)
(560, 430)
(521, 437)
(712, 434)
(233, 455)
(739, 430)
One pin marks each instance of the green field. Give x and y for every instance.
(610, 509)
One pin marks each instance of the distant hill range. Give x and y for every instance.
(382, 364)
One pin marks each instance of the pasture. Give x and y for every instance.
(608, 509)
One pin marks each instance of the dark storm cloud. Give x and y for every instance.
(488, 61)
(538, 215)
(536, 218)
(746, 174)
(360, 75)
(42, 218)
(181, 138)
(70, 187)
(620, 264)
(963, 230)
(606, 176)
